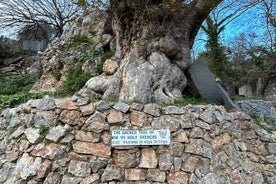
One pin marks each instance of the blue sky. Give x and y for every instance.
(251, 21)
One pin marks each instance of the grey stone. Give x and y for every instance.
(177, 163)
(210, 178)
(165, 161)
(152, 109)
(103, 105)
(167, 122)
(197, 133)
(27, 166)
(202, 124)
(156, 175)
(56, 133)
(98, 165)
(120, 106)
(137, 106)
(5, 171)
(68, 138)
(82, 101)
(172, 110)
(68, 180)
(271, 148)
(209, 116)
(112, 172)
(32, 135)
(52, 177)
(264, 109)
(45, 104)
(208, 87)
(18, 132)
(79, 168)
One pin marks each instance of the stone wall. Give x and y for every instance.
(68, 141)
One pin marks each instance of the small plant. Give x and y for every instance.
(256, 118)
(57, 75)
(75, 80)
(43, 131)
(76, 41)
(71, 143)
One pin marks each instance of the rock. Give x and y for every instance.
(116, 117)
(172, 110)
(202, 124)
(68, 179)
(165, 161)
(190, 164)
(79, 168)
(264, 109)
(166, 122)
(98, 165)
(56, 133)
(148, 159)
(134, 175)
(96, 123)
(112, 172)
(97, 149)
(82, 101)
(70, 117)
(210, 178)
(152, 109)
(178, 177)
(127, 159)
(44, 169)
(32, 135)
(46, 104)
(271, 148)
(156, 175)
(103, 105)
(91, 179)
(87, 110)
(120, 106)
(49, 151)
(110, 67)
(66, 104)
(53, 177)
(140, 119)
(87, 136)
(27, 166)
(180, 136)
(197, 133)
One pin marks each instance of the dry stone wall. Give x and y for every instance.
(69, 141)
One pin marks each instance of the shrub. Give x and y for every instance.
(76, 41)
(75, 80)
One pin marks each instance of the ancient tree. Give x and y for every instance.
(153, 42)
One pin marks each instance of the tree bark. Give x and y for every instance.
(153, 42)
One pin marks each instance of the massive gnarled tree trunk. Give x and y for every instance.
(153, 42)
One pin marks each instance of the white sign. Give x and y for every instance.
(140, 137)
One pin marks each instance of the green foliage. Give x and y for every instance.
(43, 131)
(11, 84)
(57, 75)
(71, 143)
(215, 54)
(76, 41)
(266, 124)
(14, 89)
(256, 118)
(14, 100)
(75, 80)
